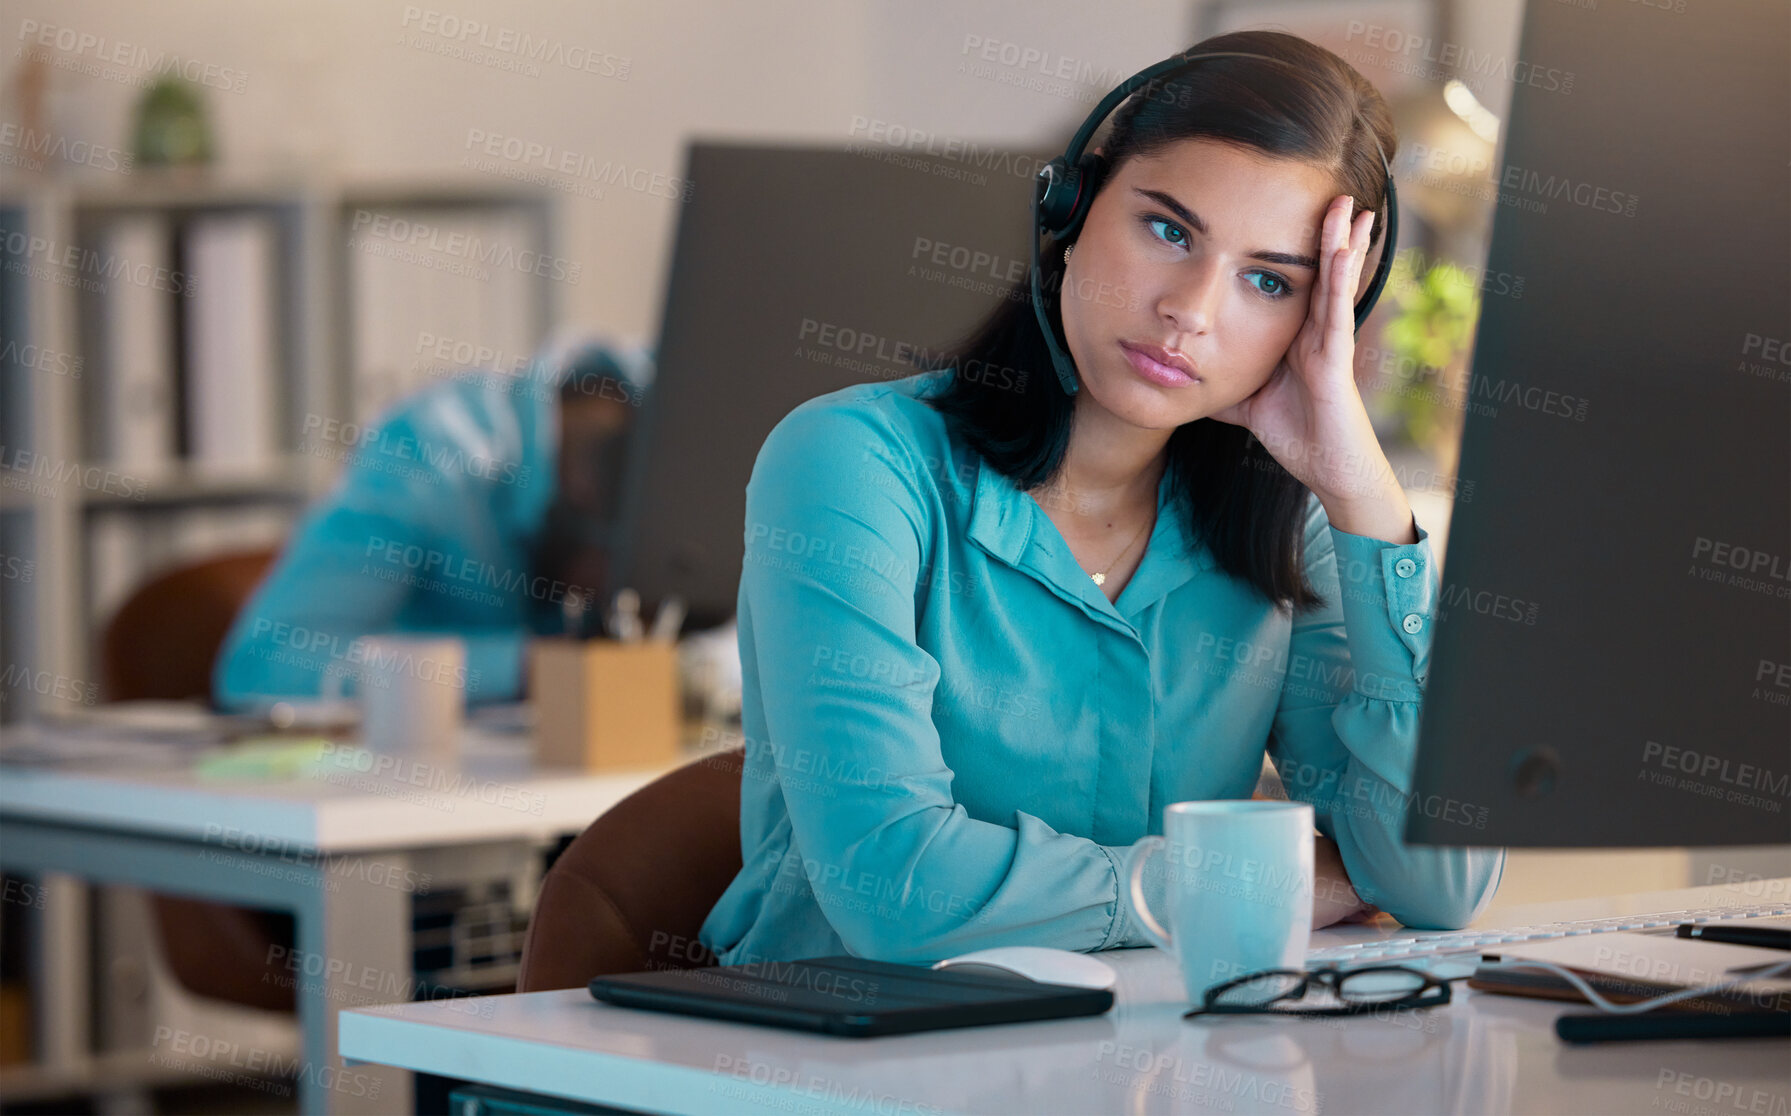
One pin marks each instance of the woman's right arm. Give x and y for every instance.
(837, 524)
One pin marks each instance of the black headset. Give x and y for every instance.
(1066, 186)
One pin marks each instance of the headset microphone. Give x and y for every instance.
(1065, 187)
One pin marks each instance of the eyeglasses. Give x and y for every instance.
(1357, 991)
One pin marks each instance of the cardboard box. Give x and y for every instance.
(605, 705)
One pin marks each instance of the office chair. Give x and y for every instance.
(160, 645)
(631, 891)
(180, 617)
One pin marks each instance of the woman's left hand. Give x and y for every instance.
(1309, 415)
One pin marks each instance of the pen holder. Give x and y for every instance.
(605, 704)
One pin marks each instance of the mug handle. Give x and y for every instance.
(1136, 856)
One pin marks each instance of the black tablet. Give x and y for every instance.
(850, 996)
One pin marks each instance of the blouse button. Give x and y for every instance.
(1413, 622)
(1405, 567)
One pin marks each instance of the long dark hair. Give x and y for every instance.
(1246, 508)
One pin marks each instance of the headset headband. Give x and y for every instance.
(1059, 205)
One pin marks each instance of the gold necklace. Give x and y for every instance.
(1101, 578)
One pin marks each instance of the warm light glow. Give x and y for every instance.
(1463, 103)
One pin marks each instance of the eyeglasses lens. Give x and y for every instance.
(1260, 988)
(1373, 986)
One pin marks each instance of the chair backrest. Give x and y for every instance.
(160, 645)
(161, 642)
(631, 891)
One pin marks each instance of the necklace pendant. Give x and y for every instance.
(1099, 578)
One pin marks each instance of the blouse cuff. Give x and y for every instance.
(1389, 599)
(1125, 930)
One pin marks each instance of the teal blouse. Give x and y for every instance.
(952, 737)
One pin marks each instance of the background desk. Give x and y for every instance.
(319, 849)
(1481, 1054)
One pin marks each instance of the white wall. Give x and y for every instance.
(330, 83)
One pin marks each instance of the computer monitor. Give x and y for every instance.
(799, 271)
(1611, 663)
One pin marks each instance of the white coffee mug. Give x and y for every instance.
(1238, 888)
(413, 696)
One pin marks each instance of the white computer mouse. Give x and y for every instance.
(1040, 963)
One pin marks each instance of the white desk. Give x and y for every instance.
(1481, 1054)
(326, 850)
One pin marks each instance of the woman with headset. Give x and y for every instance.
(1131, 536)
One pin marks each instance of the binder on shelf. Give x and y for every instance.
(380, 290)
(232, 362)
(134, 385)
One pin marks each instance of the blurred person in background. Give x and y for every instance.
(479, 507)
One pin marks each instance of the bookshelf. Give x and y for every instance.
(165, 336)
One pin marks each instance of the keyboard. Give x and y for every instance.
(1426, 945)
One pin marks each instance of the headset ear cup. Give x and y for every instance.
(1091, 171)
(1094, 172)
(1057, 195)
